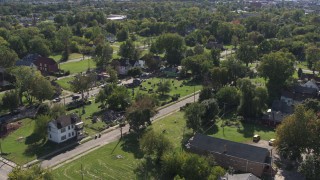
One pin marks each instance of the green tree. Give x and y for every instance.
(312, 56)
(228, 97)
(7, 57)
(119, 99)
(122, 35)
(206, 93)
(246, 53)
(247, 89)
(198, 64)
(134, 72)
(35, 172)
(103, 55)
(57, 110)
(215, 55)
(81, 83)
(40, 126)
(164, 87)
(113, 75)
(16, 44)
(64, 34)
(277, 67)
(211, 111)
(196, 167)
(39, 45)
(310, 167)
(129, 51)
(294, 135)
(140, 112)
(193, 114)
(174, 47)
(10, 100)
(155, 144)
(41, 88)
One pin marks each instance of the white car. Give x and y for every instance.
(271, 142)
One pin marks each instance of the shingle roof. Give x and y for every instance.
(46, 60)
(27, 60)
(240, 150)
(66, 120)
(245, 176)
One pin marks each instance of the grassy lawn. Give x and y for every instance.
(79, 66)
(64, 83)
(182, 87)
(57, 57)
(244, 134)
(21, 146)
(302, 65)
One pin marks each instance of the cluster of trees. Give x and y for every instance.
(298, 137)
(35, 172)
(161, 161)
(30, 84)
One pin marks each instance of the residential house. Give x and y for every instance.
(64, 128)
(241, 157)
(124, 65)
(28, 61)
(292, 98)
(245, 176)
(46, 65)
(275, 115)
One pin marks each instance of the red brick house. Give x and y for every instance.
(46, 65)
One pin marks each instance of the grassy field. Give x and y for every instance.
(182, 87)
(64, 83)
(110, 167)
(243, 134)
(57, 57)
(79, 66)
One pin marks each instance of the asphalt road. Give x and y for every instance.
(4, 170)
(106, 138)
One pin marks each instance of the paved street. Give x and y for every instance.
(107, 138)
(4, 170)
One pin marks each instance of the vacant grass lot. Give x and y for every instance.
(64, 83)
(78, 67)
(103, 164)
(182, 87)
(57, 57)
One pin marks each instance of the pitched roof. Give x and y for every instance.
(222, 146)
(305, 90)
(245, 176)
(66, 120)
(27, 60)
(45, 60)
(282, 107)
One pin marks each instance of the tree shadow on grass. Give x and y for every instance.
(248, 129)
(131, 144)
(163, 97)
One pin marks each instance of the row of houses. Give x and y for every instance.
(307, 88)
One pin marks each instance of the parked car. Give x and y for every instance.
(271, 142)
(256, 138)
(58, 99)
(75, 97)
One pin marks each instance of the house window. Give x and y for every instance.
(72, 133)
(45, 69)
(69, 135)
(69, 127)
(63, 130)
(49, 128)
(50, 136)
(63, 137)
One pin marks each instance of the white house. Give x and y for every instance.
(64, 128)
(125, 65)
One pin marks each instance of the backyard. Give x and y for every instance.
(57, 57)
(120, 158)
(78, 66)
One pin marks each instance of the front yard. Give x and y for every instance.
(78, 66)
